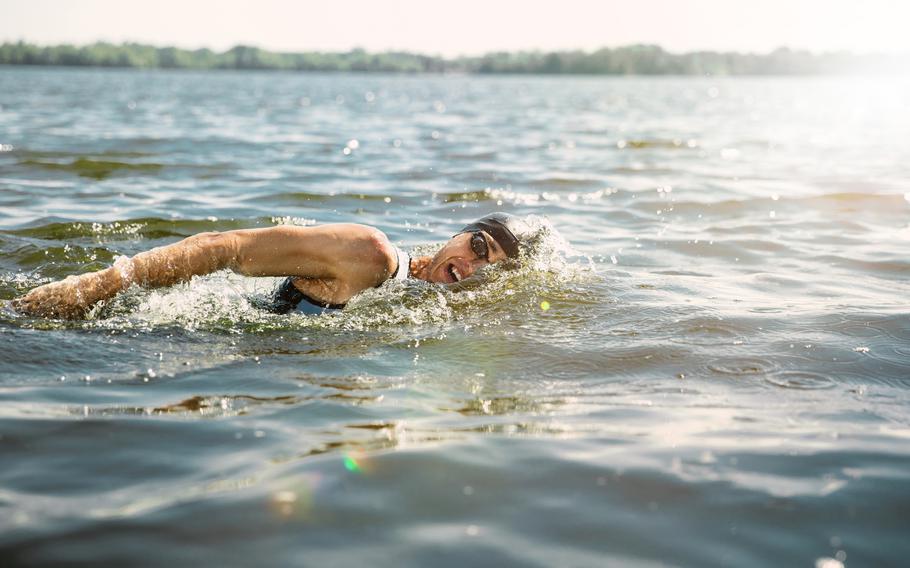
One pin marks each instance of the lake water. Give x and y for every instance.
(706, 362)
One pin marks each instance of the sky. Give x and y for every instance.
(467, 27)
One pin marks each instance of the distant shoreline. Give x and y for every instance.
(628, 60)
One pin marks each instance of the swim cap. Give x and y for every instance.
(507, 230)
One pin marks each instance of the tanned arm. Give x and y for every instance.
(348, 258)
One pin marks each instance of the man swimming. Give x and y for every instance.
(325, 265)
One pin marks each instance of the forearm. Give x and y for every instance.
(194, 256)
(163, 266)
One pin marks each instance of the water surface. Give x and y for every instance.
(721, 376)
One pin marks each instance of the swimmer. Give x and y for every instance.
(325, 265)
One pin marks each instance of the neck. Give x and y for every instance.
(420, 267)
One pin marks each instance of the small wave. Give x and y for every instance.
(297, 198)
(741, 366)
(471, 156)
(95, 169)
(52, 154)
(199, 406)
(710, 331)
(800, 380)
(505, 195)
(657, 143)
(146, 228)
(566, 182)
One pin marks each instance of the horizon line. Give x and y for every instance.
(781, 48)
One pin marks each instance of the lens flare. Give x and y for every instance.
(351, 464)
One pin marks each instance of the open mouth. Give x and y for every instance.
(453, 272)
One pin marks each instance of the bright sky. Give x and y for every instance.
(467, 26)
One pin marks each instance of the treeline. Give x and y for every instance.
(630, 60)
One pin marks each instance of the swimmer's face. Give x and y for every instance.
(463, 255)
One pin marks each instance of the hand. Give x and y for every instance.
(71, 298)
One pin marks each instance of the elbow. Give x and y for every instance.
(383, 255)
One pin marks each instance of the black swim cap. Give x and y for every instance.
(507, 230)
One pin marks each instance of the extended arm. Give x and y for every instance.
(349, 258)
